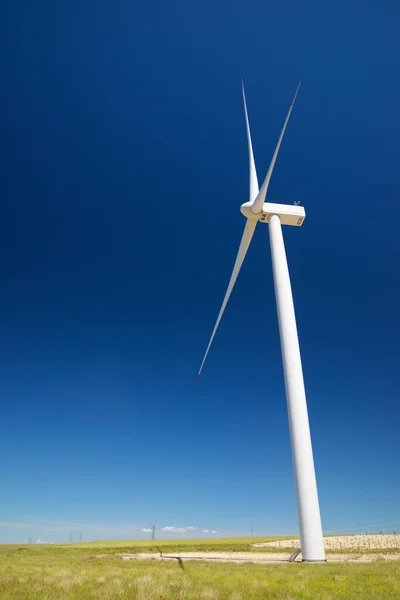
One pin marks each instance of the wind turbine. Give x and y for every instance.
(258, 210)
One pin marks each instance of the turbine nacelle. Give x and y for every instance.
(288, 213)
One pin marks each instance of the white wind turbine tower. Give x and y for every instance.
(255, 210)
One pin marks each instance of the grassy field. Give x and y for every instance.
(166, 546)
(75, 572)
(217, 544)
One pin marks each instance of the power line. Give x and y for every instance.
(363, 527)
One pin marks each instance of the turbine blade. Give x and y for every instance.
(254, 189)
(244, 245)
(259, 201)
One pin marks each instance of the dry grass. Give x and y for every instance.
(34, 573)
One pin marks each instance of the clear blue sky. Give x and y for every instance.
(123, 166)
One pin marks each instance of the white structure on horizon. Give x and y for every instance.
(258, 210)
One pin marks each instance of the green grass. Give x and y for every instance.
(205, 545)
(166, 546)
(169, 546)
(74, 572)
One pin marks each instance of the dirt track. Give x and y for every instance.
(256, 557)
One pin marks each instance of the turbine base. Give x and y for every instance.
(314, 560)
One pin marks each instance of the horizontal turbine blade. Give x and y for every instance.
(254, 189)
(244, 245)
(259, 201)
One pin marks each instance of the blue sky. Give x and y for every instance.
(123, 167)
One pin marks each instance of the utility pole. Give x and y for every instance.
(153, 532)
(251, 529)
(70, 537)
(80, 537)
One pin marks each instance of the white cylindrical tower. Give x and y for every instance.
(312, 543)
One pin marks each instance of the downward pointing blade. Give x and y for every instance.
(252, 167)
(244, 245)
(259, 201)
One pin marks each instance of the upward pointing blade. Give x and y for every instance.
(252, 167)
(244, 245)
(259, 201)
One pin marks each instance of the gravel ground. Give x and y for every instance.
(345, 542)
